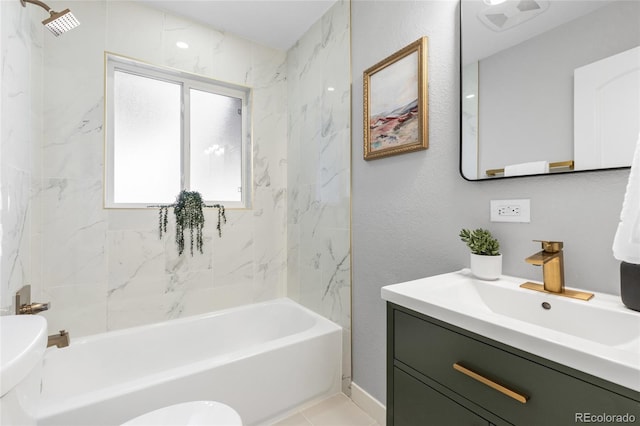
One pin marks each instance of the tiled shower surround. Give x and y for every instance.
(20, 134)
(105, 269)
(318, 176)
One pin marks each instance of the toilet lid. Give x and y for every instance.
(200, 413)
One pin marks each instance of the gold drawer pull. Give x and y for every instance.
(515, 395)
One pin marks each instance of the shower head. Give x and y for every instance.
(59, 22)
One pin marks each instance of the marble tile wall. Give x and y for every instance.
(106, 269)
(20, 128)
(319, 157)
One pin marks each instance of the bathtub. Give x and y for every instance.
(263, 360)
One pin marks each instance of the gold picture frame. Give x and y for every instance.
(396, 103)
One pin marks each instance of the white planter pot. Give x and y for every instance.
(486, 267)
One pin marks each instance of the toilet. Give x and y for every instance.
(209, 413)
(23, 340)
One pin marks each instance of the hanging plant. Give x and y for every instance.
(222, 218)
(188, 210)
(189, 215)
(163, 219)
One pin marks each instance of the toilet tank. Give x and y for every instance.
(23, 340)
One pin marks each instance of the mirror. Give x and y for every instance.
(548, 86)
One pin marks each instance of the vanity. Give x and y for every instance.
(462, 351)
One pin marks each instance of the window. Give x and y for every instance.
(168, 130)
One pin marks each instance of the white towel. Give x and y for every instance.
(532, 168)
(626, 244)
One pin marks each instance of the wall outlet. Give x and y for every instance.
(511, 211)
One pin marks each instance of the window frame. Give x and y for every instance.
(187, 81)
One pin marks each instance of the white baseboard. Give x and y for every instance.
(369, 404)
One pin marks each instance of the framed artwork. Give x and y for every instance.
(396, 103)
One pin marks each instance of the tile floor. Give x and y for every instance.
(337, 410)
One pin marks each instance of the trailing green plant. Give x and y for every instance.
(189, 215)
(480, 241)
(222, 218)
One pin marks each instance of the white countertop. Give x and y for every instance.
(600, 337)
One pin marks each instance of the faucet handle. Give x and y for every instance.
(33, 308)
(550, 246)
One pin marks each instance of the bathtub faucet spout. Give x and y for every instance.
(60, 340)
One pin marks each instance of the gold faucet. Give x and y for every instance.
(24, 305)
(60, 340)
(32, 308)
(551, 259)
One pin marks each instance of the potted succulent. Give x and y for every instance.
(486, 260)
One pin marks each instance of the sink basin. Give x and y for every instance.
(600, 337)
(23, 340)
(602, 322)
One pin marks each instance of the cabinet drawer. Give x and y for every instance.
(416, 404)
(485, 372)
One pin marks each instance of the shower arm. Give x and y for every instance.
(57, 23)
(37, 2)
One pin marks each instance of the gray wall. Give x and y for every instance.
(407, 210)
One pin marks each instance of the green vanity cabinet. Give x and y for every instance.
(439, 374)
(418, 404)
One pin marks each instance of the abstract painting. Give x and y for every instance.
(396, 103)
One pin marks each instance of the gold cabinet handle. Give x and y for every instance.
(515, 395)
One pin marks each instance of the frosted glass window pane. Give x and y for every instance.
(147, 137)
(216, 146)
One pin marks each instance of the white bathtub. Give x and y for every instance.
(263, 360)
